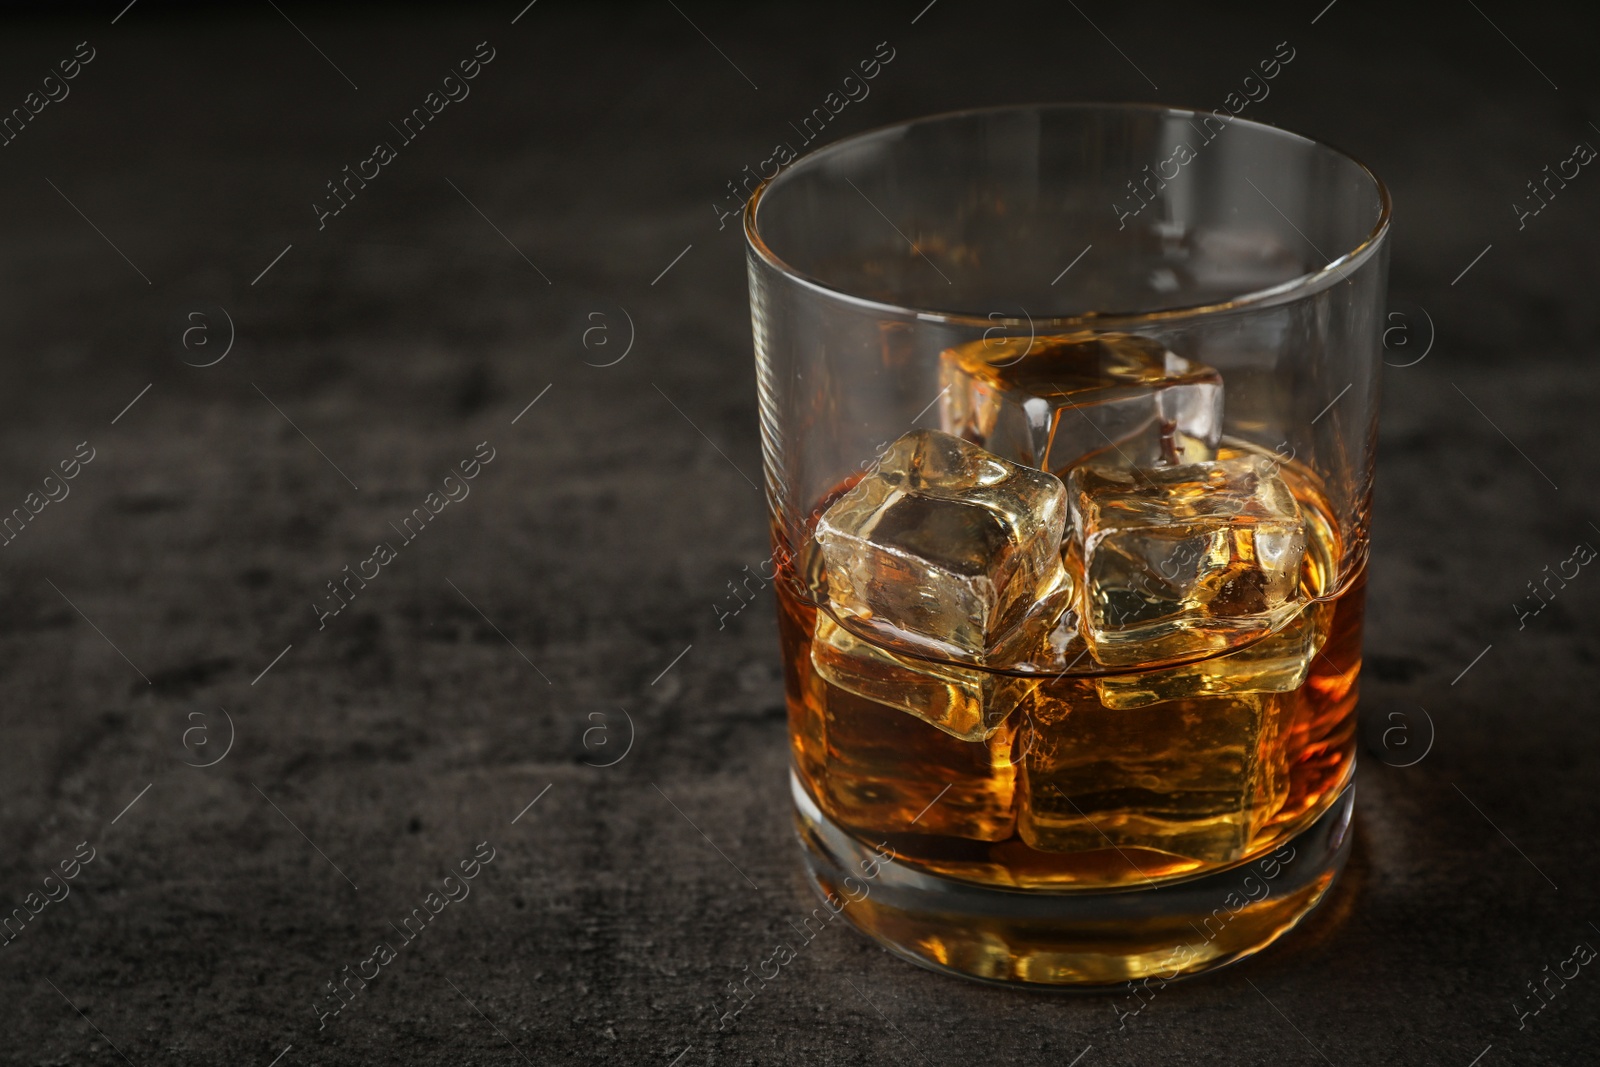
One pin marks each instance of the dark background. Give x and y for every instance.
(571, 602)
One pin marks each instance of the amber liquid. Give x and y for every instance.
(1077, 789)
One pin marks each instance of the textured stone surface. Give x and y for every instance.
(601, 539)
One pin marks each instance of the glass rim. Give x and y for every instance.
(1271, 296)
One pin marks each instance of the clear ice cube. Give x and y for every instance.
(943, 546)
(1278, 663)
(1055, 402)
(1193, 778)
(884, 772)
(1180, 561)
(965, 702)
(1049, 639)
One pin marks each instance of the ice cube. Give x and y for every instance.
(943, 546)
(1278, 663)
(1054, 402)
(885, 772)
(965, 702)
(1180, 561)
(1193, 778)
(1049, 639)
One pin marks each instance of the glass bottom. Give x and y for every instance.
(1079, 939)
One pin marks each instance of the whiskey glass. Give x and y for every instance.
(1068, 417)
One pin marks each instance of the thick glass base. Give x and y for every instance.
(1079, 939)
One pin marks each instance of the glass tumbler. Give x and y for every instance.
(1068, 417)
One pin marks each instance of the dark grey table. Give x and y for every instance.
(169, 603)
